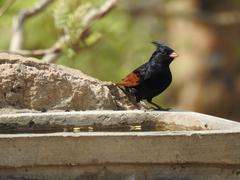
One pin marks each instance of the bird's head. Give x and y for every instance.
(167, 54)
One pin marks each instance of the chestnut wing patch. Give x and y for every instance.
(130, 80)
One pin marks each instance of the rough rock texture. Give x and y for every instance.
(26, 83)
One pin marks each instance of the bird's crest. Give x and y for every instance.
(158, 44)
(161, 46)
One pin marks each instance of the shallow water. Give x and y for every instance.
(116, 128)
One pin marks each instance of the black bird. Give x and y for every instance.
(151, 78)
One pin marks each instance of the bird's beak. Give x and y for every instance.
(173, 55)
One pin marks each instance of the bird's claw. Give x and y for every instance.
(158, 109)
(162, 109)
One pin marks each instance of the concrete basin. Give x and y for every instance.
(118, 145)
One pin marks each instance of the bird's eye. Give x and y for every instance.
(163, 52)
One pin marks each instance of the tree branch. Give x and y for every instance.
(51, 54)
(17, 29)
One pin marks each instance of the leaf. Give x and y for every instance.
(93, 38)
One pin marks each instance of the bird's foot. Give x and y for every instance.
(145, 108)
(159, 108)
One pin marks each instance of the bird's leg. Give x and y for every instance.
(159, 108)
(154, 104)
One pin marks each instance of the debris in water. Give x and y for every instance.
(90, 128)
(76, 130)
(136, 128)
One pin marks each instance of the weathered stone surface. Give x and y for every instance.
(124, 172)
(218, 145)
(26, 83)
(172, 155)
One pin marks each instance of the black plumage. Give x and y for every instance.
(153, 77)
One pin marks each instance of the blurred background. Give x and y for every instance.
(206, 34)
